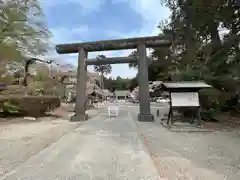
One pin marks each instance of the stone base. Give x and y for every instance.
(145, 117)
(79, 117)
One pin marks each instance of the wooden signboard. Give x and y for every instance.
(184, 94)
(185, 99)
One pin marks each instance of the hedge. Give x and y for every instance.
(33, 106)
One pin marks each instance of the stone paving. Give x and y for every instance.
(101, 148)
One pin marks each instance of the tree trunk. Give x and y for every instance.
(215, 38)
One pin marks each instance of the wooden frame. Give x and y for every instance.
(184, 87)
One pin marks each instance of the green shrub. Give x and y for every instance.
(213, 98)
(14, 90)
(212, 102)
(29, 105)
(7, 106)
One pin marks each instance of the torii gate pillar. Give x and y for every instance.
(144, 101)
(81, 95)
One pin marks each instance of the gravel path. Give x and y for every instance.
(192, 156)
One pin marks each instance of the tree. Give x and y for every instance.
(22, 30)
(133, 83)
(200, 50)
(22, 33)
(103, 69)
(195, 26)
(135, 56)
(8, 69)
(32, 61)
(135, 64)
(158, 65)
(117, 84)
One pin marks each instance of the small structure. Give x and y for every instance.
(185, 95)
(121, 94)
(107, 94)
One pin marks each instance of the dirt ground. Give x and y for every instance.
(193, 156)
(21, 139)
(177, 155)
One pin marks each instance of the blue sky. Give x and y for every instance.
(91, 20)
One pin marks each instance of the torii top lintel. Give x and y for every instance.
(117, 44)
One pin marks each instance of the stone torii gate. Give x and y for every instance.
(140, 44)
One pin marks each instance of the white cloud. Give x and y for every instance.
(64, 35)
(88, 6)
(151, 11)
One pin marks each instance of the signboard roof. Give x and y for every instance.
(186, 85)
